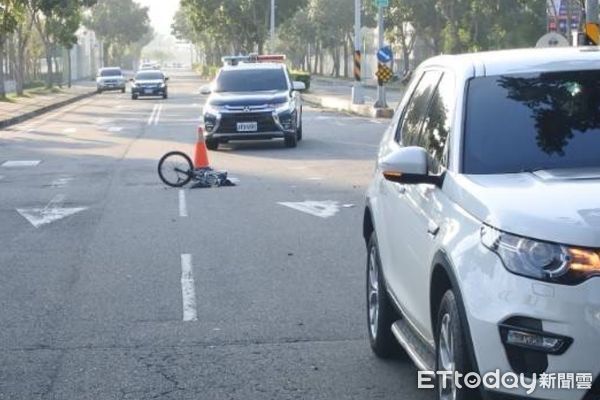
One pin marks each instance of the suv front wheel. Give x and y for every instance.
(380, 313)
(451, 351)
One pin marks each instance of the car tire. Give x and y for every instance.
(123, 90)
(290, 140)
(380, 312)
(99, 91)
(212, 144)
(134, 97)
(299, 132)
(451, 350)
(165, 95)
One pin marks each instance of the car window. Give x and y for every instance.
(251, 80)
(527, 122)
(414, 113)
(110, 72)
(149, 76)
(437, 123)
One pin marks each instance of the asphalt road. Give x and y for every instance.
(92, 300)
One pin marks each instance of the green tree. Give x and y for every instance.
(118, 24)
(11, 13)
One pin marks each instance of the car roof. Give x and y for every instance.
(250, 66)
(501, 62)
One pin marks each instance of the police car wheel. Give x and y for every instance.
(299, 132)
(212, 144)
(291, 140)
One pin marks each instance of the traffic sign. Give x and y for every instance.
(384, 55)
(382, 3)
(384, 73)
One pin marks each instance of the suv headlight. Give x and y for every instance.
(542, 260)
(210, 109)
(282, 107)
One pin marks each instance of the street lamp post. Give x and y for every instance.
(381, 101)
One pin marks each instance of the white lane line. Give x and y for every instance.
(69, 130)
(182, 204)
(188, 292)
(157, 115)
(20, 163)
(151, 118)
(115, 129)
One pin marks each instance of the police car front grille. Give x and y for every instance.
(264, 121)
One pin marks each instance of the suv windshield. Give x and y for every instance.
(527, 122)
(251, 80)
(110, 72)
(149, 76)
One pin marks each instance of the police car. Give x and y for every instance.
(253, 98)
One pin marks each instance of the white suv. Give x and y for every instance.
(482, 223)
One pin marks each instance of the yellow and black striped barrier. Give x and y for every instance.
(357, 65)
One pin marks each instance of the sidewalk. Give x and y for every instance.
(336, 94)
(39, 101)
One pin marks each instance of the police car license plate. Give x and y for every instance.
(247, 126)
(148, 91)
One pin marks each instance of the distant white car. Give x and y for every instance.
(149, 66)
(110, 78)
(482, 223)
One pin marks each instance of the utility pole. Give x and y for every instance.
(272, 26)
(380, 103)
(357, 92)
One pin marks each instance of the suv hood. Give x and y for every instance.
(110, 78)
(561, 206)
(247, 98)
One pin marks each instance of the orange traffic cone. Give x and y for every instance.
(200, 153)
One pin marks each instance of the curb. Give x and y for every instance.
(51, 107)
(337, 104)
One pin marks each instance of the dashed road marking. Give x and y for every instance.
(188, 291)
(69, 130)
(182, 204)
(115, 129)
(20, 163)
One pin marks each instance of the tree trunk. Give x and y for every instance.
(69, 68)
(346, 55)
(2, 88)
(49, 81)
(57, 71)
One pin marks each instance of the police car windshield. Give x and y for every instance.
(251, 80)
(149, 76)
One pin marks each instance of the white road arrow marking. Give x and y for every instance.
(322, 209)
(51, 213)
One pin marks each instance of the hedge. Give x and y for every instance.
(301, 76)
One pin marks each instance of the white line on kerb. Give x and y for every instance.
(188, 292)
(182, 204)
(151, 118)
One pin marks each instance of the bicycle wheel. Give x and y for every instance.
(175, 169)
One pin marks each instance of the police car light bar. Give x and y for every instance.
(252, 58)
(271, 58)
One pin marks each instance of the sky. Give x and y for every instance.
(161, 13)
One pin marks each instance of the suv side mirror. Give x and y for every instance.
(299, 86)
(205, 90)
(408, 165)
